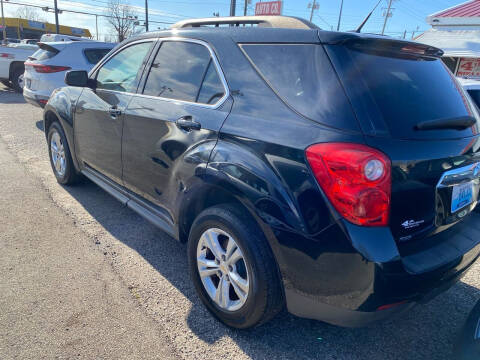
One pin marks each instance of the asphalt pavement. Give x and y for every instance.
(83, 276)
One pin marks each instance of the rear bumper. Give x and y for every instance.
(36, 100)
(348, 276)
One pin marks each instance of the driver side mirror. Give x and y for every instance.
(78, 78)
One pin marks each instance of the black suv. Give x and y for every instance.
(332, 173)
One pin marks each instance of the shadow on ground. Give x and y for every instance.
(9, 96)
(426, 332)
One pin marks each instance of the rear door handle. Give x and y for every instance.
(187, 123)
(114, 112)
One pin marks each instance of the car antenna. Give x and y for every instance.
(368, 17)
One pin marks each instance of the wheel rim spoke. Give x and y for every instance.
(239, 283)
(231, 246)
(237, 255)
(212, 243)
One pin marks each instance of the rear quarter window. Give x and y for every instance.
(93, 56)
(303, 77)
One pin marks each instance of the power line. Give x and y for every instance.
(46, 8)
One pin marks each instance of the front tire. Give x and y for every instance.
(60, 156)
(233, 268)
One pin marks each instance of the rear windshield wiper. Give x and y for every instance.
(457, 123)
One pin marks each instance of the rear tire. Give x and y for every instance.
(253, 283)
(17, 79)
(60, 156)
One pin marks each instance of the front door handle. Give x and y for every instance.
(187, 123)
(114, 112)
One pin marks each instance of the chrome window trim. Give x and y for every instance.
(217, 66)
(97, 67)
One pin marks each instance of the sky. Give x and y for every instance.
(407, 15)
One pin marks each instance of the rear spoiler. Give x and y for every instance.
(46, 47)
(378, 43)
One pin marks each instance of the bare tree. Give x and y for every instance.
(29, 13)
(122, 19)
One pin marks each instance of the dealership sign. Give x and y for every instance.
(469, 67)
(268, 8)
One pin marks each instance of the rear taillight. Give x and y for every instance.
(7, 56)
(355, 178)
(46, 68)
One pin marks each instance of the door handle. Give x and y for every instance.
(187, 123)
(114, 112)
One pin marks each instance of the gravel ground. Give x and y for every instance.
(153, 268)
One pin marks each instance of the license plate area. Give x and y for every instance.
(462, 196)
(457, 194)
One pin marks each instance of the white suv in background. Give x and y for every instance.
(45, 69)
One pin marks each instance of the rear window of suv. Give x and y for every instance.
(400, 90)
(41, 54)
(303, 77)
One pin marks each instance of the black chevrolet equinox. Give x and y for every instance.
(334, 174)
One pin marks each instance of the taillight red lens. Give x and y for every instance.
(47, 68)
(355, 178)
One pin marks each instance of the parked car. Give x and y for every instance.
(472, 86)
(331, 173)
(59, 37)
(12, 58)
(45, 70)
(29, 41)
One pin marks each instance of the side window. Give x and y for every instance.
(212, 89)
(178, 71)
(120, 72)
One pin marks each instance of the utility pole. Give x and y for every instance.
(57, 27)
(96, 25)
(404, 34)
(314, 6)
(4, 41)
(245, 8)
(233, 5)
(387, 15)
(340, 16)
(146, 15)
(413, 32)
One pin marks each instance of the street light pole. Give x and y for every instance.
(3, 26)
(96, 25)
(146, 15)
(233, 5)
(57, 27)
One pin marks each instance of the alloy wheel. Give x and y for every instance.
(222, 269)
(58, 154)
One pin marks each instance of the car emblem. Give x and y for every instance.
(409, 224)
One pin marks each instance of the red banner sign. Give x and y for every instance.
(268, 8)
(469, 67)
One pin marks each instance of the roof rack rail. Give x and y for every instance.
(286, 22)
